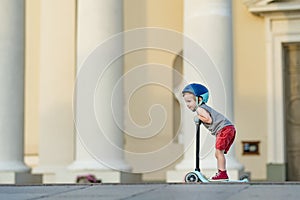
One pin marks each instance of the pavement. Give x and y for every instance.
(207, 191)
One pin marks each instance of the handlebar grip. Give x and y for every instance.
(197, 120)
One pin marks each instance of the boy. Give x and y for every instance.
(196, 96)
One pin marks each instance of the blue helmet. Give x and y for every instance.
(198, 90)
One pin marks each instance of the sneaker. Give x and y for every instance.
(220, 176)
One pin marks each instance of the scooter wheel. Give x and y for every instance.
(244, 177)
(191, 177)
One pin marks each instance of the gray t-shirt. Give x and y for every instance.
(219, 121)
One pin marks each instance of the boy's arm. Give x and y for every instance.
(204, 116)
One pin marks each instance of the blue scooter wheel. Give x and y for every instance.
(245, 178)
(191, 177)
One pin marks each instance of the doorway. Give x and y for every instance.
(292, 109)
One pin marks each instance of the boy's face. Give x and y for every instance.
(190, 101)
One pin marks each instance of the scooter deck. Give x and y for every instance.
(230, 181)
(197, 176)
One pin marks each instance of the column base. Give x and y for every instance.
(276, 172)
(69, 174)
(208, 167)
(101, 172)
(176, 176)
(20, 178)
(95, 165)
(105, 176)
(13, 166)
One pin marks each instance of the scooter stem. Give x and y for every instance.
(198, 123)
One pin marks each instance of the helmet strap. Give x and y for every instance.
(198, 104)
(197, 101)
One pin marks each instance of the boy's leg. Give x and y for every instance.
(221, 161)
(222, 174)
(223, 142)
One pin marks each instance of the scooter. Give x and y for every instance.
(196, 175)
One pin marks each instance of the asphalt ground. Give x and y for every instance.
(206, 191)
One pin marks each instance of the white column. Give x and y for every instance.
(209, 25)
(56, 84)
(99, 144)
(12, 86)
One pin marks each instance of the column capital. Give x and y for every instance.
(261, 7)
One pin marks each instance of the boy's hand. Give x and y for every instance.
(204, 116)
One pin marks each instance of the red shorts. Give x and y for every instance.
(225, 138)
